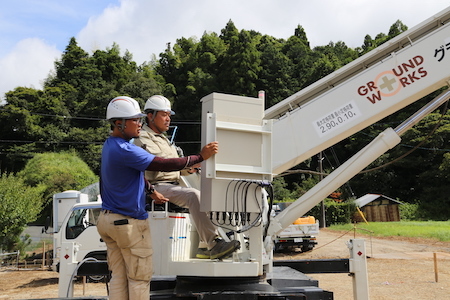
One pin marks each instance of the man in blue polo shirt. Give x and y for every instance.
(123, 223)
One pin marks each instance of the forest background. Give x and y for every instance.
(51, 138)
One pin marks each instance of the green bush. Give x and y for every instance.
(19, 205)
(56, 173)
(335, 212)
(410, 212)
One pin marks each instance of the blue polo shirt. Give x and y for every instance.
(122, 177)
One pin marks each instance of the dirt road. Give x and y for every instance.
(398, 268)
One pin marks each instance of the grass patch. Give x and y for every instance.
(38, 246)
(439, 230)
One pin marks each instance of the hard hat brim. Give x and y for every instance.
(141, 115)
(164, 110)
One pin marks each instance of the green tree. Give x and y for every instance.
(19, 205)
(241, 65)
(280, 190)
(69, 112)
(55, 173)
(78, 70)
(297, 49)
(369, 44)
(397, 28)
(275, 73)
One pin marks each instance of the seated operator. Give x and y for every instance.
(153, 139)
(122, 223)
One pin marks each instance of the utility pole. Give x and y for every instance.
(322, 221)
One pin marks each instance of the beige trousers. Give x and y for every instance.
(129, 251)
(190, 198)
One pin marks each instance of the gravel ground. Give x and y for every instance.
(398, 268)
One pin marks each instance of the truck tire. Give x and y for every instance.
(276, 247)
(97, 278)
(306, 246)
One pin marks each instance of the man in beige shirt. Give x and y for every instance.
(153, 139)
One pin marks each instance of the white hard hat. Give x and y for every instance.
(158, 103)
(123, 107)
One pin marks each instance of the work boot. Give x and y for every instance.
(203, 253)
(223, 249)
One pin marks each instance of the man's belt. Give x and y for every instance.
(166, 182)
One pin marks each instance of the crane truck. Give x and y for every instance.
(299, 235)
(258, 143)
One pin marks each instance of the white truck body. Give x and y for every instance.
(74, 214)
(255, 144)
(298, 230)
(299, 235)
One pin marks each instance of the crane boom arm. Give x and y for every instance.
(376, 85)
(385, 141)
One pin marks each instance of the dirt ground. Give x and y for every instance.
(398, 268)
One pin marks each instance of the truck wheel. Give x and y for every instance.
(306, 246)
(276, 248)
(96, 278)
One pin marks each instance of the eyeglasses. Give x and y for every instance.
(137, 120)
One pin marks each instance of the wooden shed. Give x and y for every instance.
(379, 208)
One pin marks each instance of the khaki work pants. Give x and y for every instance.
(190, 198)
(129, 251)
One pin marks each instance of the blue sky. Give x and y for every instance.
(33, 33)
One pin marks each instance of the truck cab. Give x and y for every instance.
(75, 215)
(301, 234)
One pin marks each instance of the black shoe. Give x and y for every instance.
(222, 249)
(203, 253)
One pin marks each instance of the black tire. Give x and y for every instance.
(306, 246)
(95, 278)
(277, 247)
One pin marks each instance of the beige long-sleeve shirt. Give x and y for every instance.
(159, 145)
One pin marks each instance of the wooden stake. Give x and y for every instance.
(84, 285)
(435, 267)
(43, 255)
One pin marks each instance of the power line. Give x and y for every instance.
(56, 116)
(48, 142)
(89, 118)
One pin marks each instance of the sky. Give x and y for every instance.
(34, 33)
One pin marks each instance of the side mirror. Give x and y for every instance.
(47, 224)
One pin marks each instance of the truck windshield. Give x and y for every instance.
(80, 219)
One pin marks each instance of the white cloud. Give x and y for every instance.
(145, 27)
(142, 27)
(28, 64)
